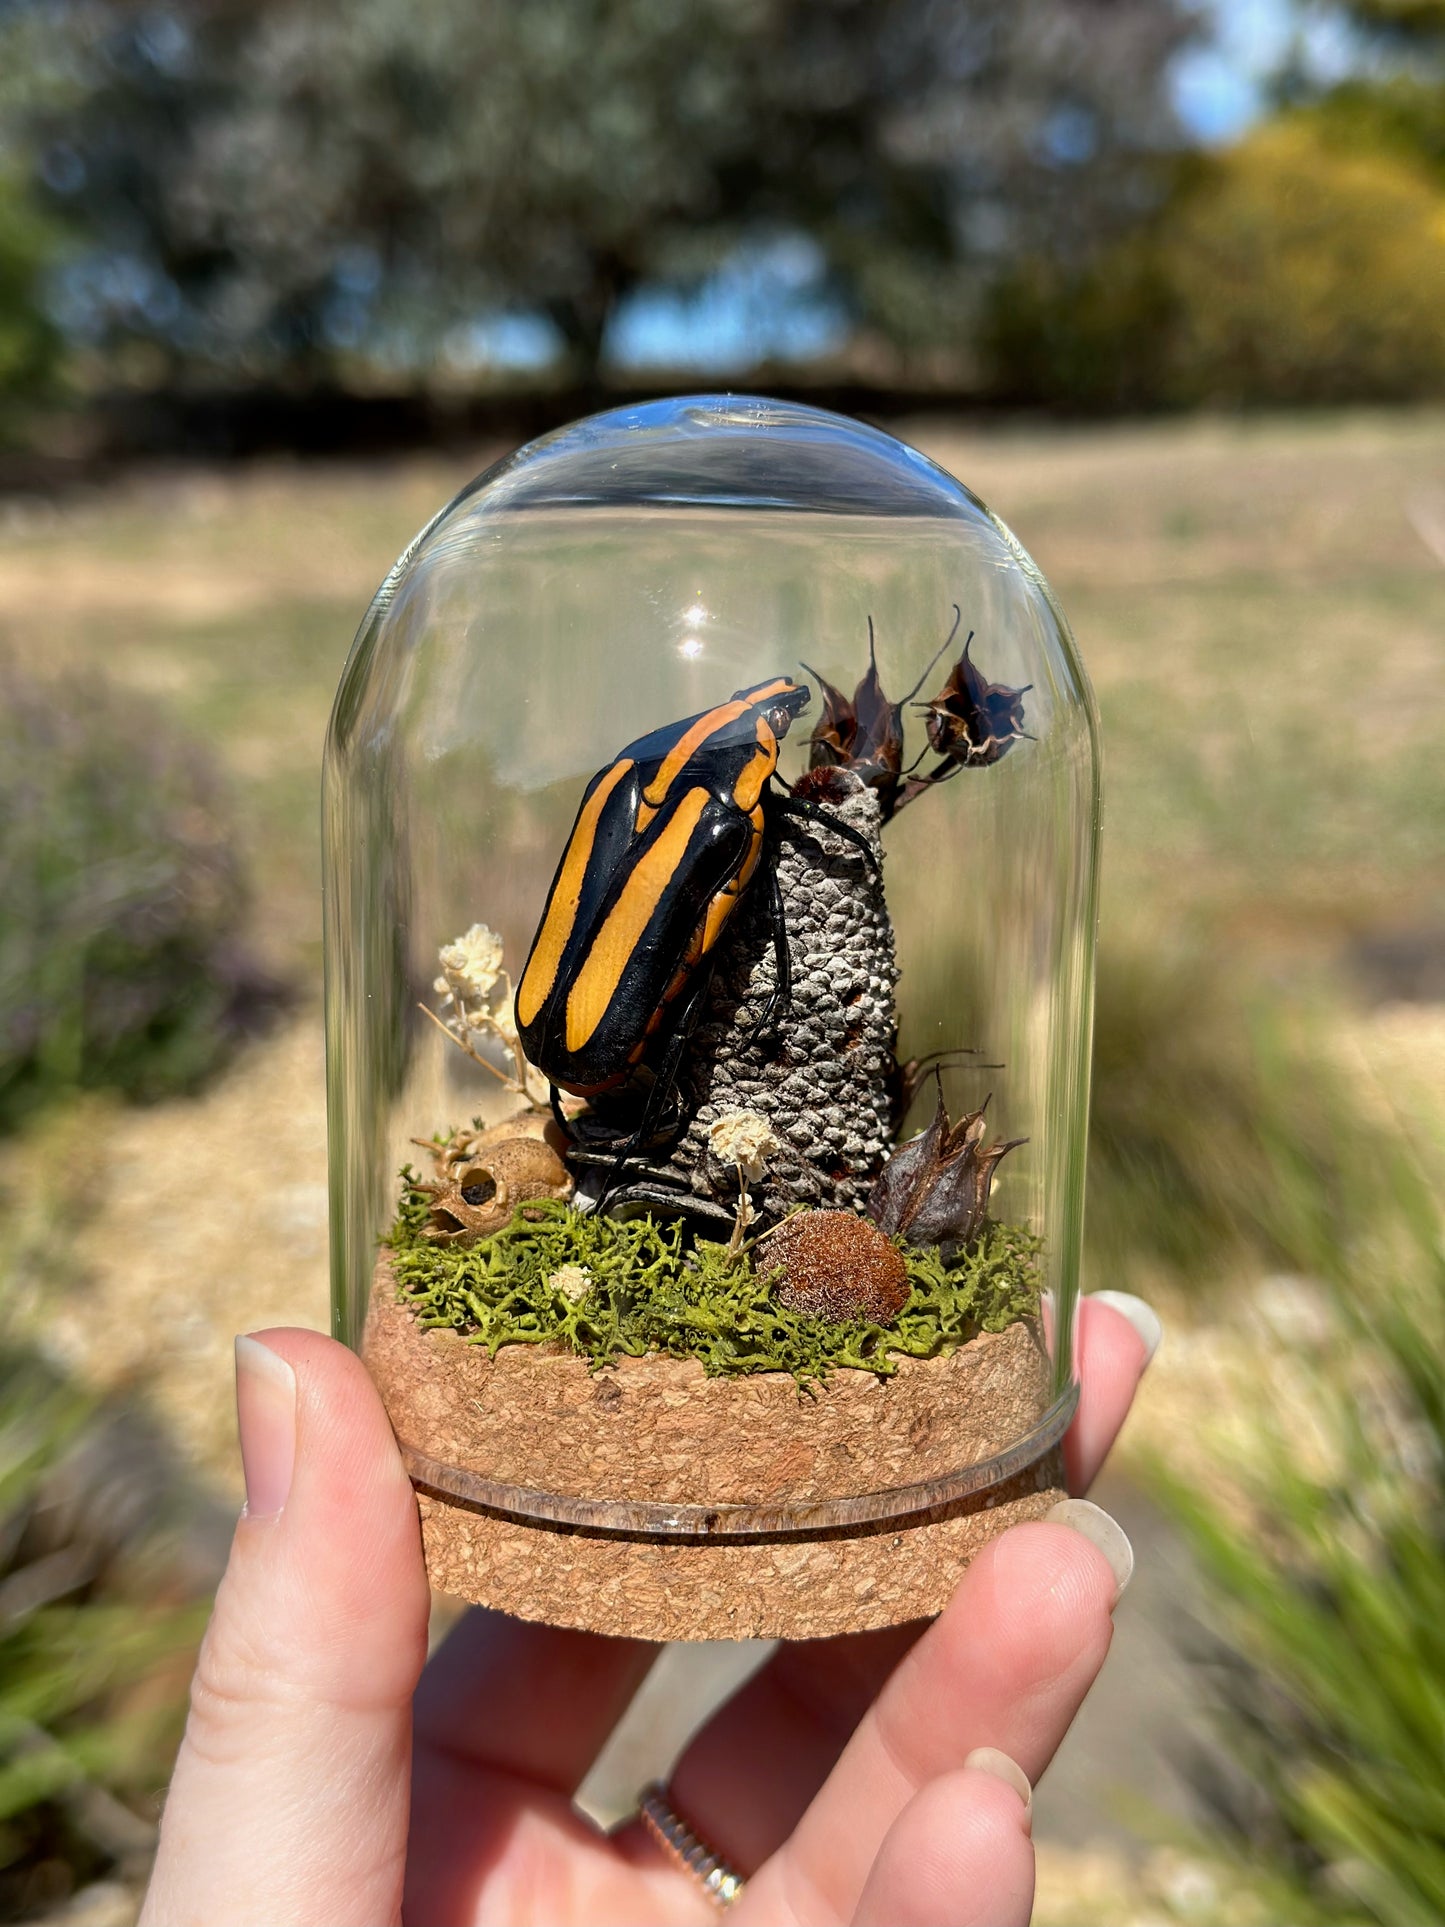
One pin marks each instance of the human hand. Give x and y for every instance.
(878, 1777)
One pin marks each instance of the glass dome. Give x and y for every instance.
(710, 814)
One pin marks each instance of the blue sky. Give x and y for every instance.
(1220, 84)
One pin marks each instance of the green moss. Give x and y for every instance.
(653, 1291)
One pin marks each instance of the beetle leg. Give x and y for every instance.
(814, 812)
(664, 1087)
(780, 997)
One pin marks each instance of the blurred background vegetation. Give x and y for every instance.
(202, 205)
(1164, 282)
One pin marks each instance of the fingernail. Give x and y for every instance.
(1142, 1317)
(988, 1759)
(1100, 1530)
(266, 1421)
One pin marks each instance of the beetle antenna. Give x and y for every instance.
(872, 659)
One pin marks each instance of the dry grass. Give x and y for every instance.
(1260, 605)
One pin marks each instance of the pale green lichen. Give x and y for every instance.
(651, 1290)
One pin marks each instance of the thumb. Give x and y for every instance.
(289, 1800)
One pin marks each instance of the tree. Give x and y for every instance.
(29, 343)
(270, 185)
(1393, 103)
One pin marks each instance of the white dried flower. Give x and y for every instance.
(472, 976)
(573, 1281)
(744, 1138)
(473, 963)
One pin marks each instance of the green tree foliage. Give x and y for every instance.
(1402, 115)
(1309, 274)
(1397, 104)
(1410, 22)
(29, 342)
(269, 186)
(1292, 268)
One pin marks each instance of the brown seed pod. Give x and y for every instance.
(467, 1147)
(476, 1192)
(837, 1266)
(864, 735)
(934, 1189)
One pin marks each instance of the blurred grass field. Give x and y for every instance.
(1261, 605)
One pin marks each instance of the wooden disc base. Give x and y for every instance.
(791, 1588)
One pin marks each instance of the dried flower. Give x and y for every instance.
(573, 1281)
(504, 1021)
(934, 1190)
(743, 1138)
(472, 1011)
(471, 965)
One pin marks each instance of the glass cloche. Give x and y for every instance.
(711, 808)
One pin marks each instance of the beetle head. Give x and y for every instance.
(780, 699)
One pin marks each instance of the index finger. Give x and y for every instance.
(748, 1777)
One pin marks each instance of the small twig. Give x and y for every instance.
(516, 1083)
(463, 1046)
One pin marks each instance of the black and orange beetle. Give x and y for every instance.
(668, 838)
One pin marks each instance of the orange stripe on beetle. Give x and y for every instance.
(561, 913)
(609, 960)
(596, 982)
(687, 746)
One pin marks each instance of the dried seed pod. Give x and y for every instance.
(934, 1190)
(529, 1168)
(476, 1194)
(972, 720)
(466, 1206)
(836, 1265)
(471, 1146)
(864, 735)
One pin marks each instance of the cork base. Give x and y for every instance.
(651, 1501)
(786, 1588)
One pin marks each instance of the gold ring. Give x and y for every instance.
(684, 1849)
